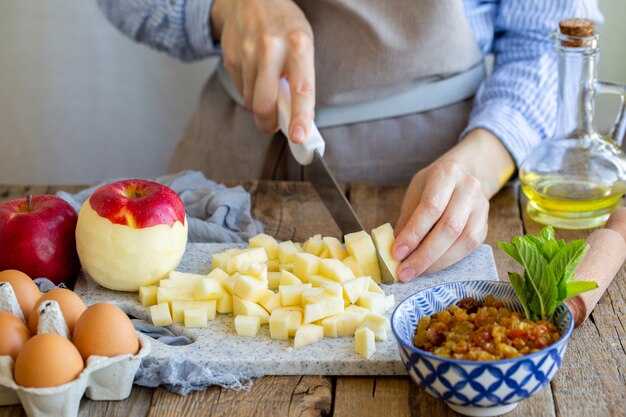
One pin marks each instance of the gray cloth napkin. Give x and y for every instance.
(215, 213)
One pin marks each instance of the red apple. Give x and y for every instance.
(131, 233)
(37, 237)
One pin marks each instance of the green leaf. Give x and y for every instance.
(567, 259)
(547, 234)
(577, 287)
(550, 249)
(561, 243)
(517, 281)
(511, 250)
(539, 276)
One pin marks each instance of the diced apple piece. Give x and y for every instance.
(329, 324)
(295, 318)
(304, 265)
(379, 330)
(195, 317)
(273, 265)
(379, 319)
(148, 295)
(279, 326)
(286, 252)
(320, 281)
(333, 289)
(372, 286)
(371, 270)
(325, 308)
(247, 325)
(364, 342)
(229, 283)
(225, 303)
(383, 238)
(291, 295)
(360, 245)
(249, 288)
(307, 334)
(270, 300)
(160, 314)
(390, 302)
(184, 276)
(273, 280)
(208, 289)
(248, 308)
(325, 253)
(180, 283)
(286, 267)
(358, 311)
(253, 255)
(335, 248)
(256, 270)
(218, 274)
(335, 270)
(347, 323)
(287, 278)
(314, 246)
(166, 295)
(267, 242)
(298, 247)
(179, 307)
(234, 251)
(353, 289)
(351, 263)
(312, 295)
(220, 260)
(372, 301)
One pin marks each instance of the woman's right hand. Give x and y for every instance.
(263, 41)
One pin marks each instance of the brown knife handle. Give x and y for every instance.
(606, 256)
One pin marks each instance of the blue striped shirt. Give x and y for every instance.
(517, 102)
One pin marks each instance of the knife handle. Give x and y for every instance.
(303, 152)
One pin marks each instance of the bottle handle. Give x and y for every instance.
(618, 130)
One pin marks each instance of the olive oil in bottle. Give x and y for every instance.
(576, 179)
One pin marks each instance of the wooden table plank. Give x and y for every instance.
(592, 377)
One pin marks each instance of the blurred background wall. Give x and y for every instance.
(80, 102)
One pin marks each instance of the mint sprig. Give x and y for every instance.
(549, 267)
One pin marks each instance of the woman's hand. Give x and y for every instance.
(263, 41)
(444, 213)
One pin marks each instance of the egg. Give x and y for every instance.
(47, 360)
(25, 289)
(105, 330)
(13, 334)
(71, 307)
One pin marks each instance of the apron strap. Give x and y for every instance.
(417, 98)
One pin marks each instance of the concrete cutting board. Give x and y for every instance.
(224, 352)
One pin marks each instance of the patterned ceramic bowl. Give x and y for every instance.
(475, 388)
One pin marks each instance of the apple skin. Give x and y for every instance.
(130, 234)
(39, 239)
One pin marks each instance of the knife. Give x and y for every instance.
(310, 153)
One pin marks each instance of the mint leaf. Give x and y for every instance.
(577, 287)
(539, 276)
(567, 259)
(547, 234)
(511, 250)
(520, 289)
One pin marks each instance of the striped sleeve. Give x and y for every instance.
(180, 28)
(517, 102)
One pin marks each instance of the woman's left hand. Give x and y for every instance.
(443, 218)
(444, 213)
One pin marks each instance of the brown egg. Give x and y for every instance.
(25, 289)
(13, 334)
(71, 307)
(47, 360)
(105, 330)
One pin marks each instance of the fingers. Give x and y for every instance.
(249, 66)
(300, 68)
(410, 201)
(264, 104)
(445, 232)
(473, 235)
(438, 189)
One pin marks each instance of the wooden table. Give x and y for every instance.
(591, 381)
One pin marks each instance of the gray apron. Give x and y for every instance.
(364, 49)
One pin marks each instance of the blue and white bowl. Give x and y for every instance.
(474, 388)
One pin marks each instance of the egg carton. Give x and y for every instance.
(103, 379)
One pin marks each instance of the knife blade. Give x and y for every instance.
(310, 153)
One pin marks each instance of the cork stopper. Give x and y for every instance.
(577, 28)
